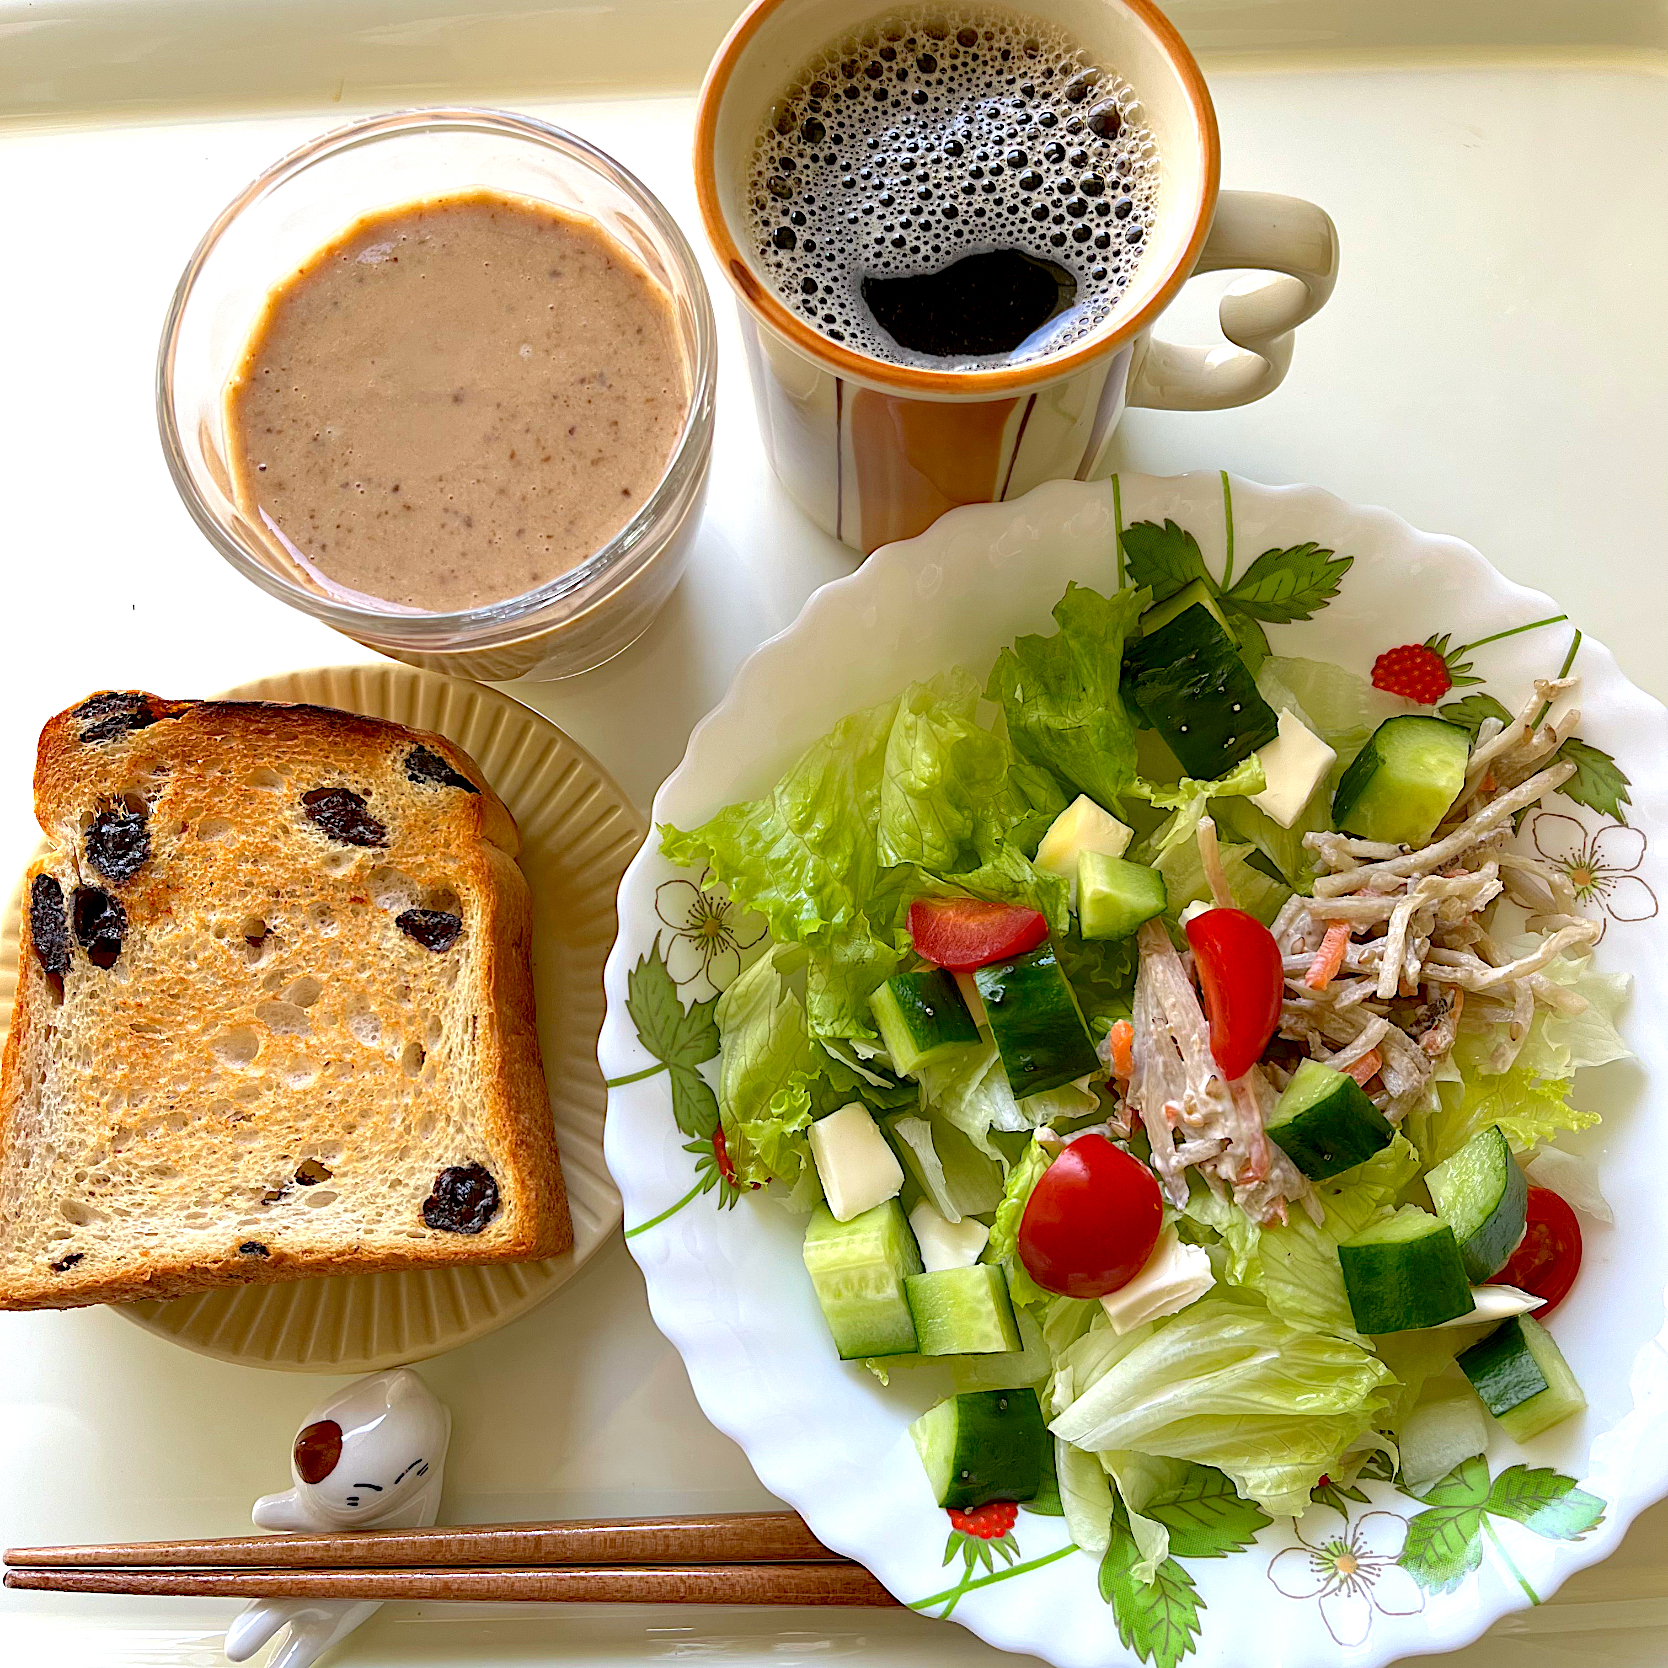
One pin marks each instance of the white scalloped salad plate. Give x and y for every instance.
(728, 1287)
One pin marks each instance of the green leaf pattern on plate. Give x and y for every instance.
(1158, 1621)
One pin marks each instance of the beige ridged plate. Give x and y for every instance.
(578, 833)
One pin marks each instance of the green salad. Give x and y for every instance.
(1167, 1035)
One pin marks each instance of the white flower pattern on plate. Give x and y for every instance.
(1601, 864)
(1352, 1575)
(709, 935)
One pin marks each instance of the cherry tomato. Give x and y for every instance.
(1243, 981)
(964, 933)
(1548, 1257)
(1091, 1221)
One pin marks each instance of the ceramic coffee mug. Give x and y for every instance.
(874, 451)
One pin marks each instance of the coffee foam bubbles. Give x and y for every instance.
(928, 135)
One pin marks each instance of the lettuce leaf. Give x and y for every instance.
(846, 966)
(1558, 1044)
(1415, 1358)
(972, 1092)
(1188, 799)
(774, 1077)
(804, 855)
(1086, 1496)
(1254, 891)
(1529, 1108)
(1066, 1319)
(1101, 972)
(1214, 1220)
(1060, 695)
(1341, 707)
(1140, 1479)
(1173, 848)
(765, 1063)
(1002, 1246)
(952, 793)
(1184, 795)
(909, 799)
(1227, 1383)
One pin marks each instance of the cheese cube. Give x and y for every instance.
(858, 1170)
(1294, 763)
(1174, 1275)
(1082, 826)
(946, 1244)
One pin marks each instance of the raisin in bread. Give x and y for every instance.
(274, 1013)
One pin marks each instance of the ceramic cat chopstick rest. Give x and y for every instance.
(371, 1456)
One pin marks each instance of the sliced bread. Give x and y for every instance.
(274, 1012)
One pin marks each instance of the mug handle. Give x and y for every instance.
(1296, 245)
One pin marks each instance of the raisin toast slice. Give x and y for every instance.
(274, 1012)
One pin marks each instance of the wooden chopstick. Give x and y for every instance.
(743, 1558)
(802, 1583)
(731, 1538)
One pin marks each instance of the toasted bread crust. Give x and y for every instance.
(218, 1059)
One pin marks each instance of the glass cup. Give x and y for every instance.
(571, 623)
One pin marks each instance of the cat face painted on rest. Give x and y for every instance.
(363, 1456)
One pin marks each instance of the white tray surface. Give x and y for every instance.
(1487, 368)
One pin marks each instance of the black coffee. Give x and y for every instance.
(953, 188)
(975, 308)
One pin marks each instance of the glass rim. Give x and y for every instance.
(511, 616)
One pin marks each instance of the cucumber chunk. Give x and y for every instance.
(1114, 895)
(1196, 692)
(858, 1269)
(962, 1311)
(1195, 591)
(1035, 1020)
(1404, 1273)
(982, 1445)
(922, 1018)
(1484, 1197)
(1325, 1124)
(1402, 782)
(1522, 1378)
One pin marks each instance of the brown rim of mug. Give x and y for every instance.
(908, 379)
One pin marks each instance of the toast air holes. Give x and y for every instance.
(236, 1049)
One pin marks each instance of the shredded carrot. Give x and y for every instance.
(1366, 1067)
(1123, 1050)
(1329, 957)
(1488, 783)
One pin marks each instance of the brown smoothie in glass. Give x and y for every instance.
(456, 401)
